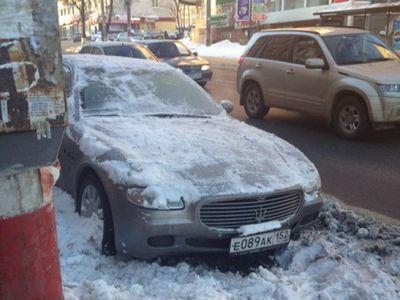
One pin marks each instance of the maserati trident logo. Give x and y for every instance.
(261, 215)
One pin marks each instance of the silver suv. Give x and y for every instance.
(349, 76)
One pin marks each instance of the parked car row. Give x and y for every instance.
(348, 76)
(171, 52)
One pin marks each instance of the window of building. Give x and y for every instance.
(293, 4)
(276, 48)
(274, 5)
(305, 48)
(155, 3)
(311, 3)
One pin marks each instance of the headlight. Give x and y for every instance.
(388, 90)
(205, 68)
(140, 198)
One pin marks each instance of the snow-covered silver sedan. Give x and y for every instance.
(169, 172)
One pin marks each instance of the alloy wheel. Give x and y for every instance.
(349, 119)
(91, 202)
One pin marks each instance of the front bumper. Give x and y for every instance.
(147, 234)
(391, 109)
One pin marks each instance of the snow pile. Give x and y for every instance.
(322, 264)
(223, 48)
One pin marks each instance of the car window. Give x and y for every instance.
(276, 48)
(305, 48)
(123, 50)
(255, 50)
(97, 51)
(358, 49)
(86, 49)
(147, 53)
(169, 49)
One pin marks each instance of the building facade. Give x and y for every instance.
(292, 13)
(146, 15)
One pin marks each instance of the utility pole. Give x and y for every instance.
(208, 24)
(128, 17)
(103, 22)
(32, 122)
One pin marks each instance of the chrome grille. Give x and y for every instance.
(233, 213)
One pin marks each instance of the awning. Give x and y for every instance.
(359, 9)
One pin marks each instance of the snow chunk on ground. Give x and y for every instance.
(322, 264)
(256, 228)
(223, 48)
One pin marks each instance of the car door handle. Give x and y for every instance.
(258, 66)
(290, 71)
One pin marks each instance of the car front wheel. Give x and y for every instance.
(92, 200)
(350, 118)
(254, 104)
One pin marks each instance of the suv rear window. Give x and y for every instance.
(276, 48)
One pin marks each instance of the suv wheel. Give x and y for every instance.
(350, 118)
(92, 200)
(254, 104)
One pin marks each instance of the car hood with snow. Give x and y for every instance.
(194, 158)
(165, 135)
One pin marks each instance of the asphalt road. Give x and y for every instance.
(361, 174)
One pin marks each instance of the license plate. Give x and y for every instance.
(259, 241)
(196, 76)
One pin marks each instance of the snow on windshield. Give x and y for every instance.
(136, 87)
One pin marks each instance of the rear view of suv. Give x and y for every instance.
(349, 76)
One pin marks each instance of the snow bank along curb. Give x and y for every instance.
(224, 49)
(329, 262)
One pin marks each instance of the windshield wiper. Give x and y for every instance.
(166, 116)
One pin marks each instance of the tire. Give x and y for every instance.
(92, 199)
(350, 118)
(254, 104)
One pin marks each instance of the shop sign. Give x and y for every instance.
(259, 12)
(242, 10)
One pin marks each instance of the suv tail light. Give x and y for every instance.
(241, 59)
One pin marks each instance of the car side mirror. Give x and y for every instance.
(227, 106)
(195, 53)
(315, 63)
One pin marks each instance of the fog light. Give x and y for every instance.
(161, 241)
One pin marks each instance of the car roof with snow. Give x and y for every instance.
(117, 63)
(323, 31)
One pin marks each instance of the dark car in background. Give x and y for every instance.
(77, 37)
(179, 56)
(118, 49)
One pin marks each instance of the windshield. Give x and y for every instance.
(358, 48)
(125, 92)
(169, 49)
